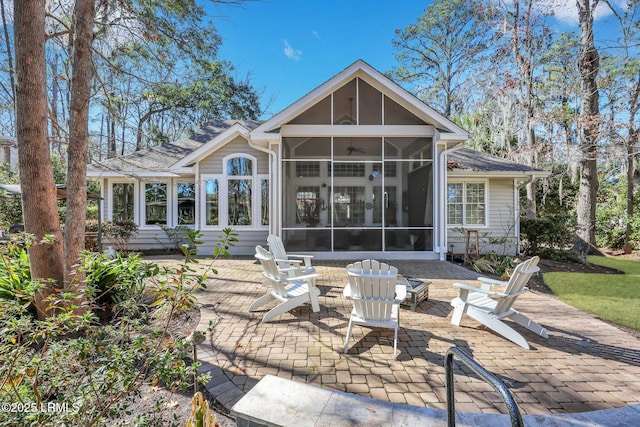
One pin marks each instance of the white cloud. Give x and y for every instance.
(566, 10)
(316, 35)
(290, 52)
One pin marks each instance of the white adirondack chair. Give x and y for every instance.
(300, 263)
(376, 297)
(490, 307)
(289, 291)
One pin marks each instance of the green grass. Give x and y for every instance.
(612, 297)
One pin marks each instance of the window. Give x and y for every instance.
(239, 190)
(186, 203)
(239, 202)
(211, 191)
(466, 203)
(239, 197)
(155, 196)
(123, 202)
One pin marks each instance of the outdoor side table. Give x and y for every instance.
(417, 291)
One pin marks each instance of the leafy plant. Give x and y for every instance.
(120, 232)
(90, 371)
(177, 235)
(15, 273)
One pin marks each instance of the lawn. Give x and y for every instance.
(612, 297)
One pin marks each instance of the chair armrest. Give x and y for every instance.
(346, 292)
(305, 258)
(492, 282)
(462, 286)
(290, 261)
(300, 256)
(401, 292)
(301, 278)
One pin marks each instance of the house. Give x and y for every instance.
(8, 152)
(358, 167)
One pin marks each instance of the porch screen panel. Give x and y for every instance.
(212, 196)
(239, 202)
(155, 203)
(123, 202)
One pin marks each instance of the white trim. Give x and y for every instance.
(174, 206)
(360, 130)
(211, 146)
(203, 205)
(143, 205)
(464, 183)
(136, 198)
(374, 78)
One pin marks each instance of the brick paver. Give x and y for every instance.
(584, 365)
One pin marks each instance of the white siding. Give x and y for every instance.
(213, 163)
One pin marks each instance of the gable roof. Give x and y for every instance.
(468, 161)
(381, 82)
(157, 161)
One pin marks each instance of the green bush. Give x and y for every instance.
(120, 232)
(550, 231)
(90, 370)
(612, 219)
(15, 273)
(116, 280)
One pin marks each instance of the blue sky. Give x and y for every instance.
(289, 47)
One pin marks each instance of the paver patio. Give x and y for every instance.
(584, 365)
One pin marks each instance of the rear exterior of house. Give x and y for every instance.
(356, 168)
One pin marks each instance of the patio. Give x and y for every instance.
(584, 365)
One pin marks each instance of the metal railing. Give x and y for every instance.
(488, 377)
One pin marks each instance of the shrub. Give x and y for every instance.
(91, 371)
(550, 231)
(120, 232)
(15, 273)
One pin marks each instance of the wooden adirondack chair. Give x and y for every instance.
(289, 291)
(376, 297)
(300, 263)
(490, 307)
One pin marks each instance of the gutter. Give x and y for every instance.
(442, 212)
(273, 159)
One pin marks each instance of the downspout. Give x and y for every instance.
(273, 158)
(443, 201)
(516, 207)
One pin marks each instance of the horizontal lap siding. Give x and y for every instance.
(213, 163)
(152, 239)
(501, 222)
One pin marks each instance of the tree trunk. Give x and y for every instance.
(40, 209)
(74, 235)
(588, 128)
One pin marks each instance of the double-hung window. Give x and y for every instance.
(466, 204)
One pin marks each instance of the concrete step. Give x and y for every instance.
(277, 401)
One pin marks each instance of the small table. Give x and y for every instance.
(417, 291)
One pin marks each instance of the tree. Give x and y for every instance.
(74, 236)
(525, 36)
(626, 96)
(435, 53)
(36, 173)
(588, 129)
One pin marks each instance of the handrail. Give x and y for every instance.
(491, 379)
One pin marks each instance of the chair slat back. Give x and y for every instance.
(373, 285)
(276, 247)
(519, 279)
(270, 270)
